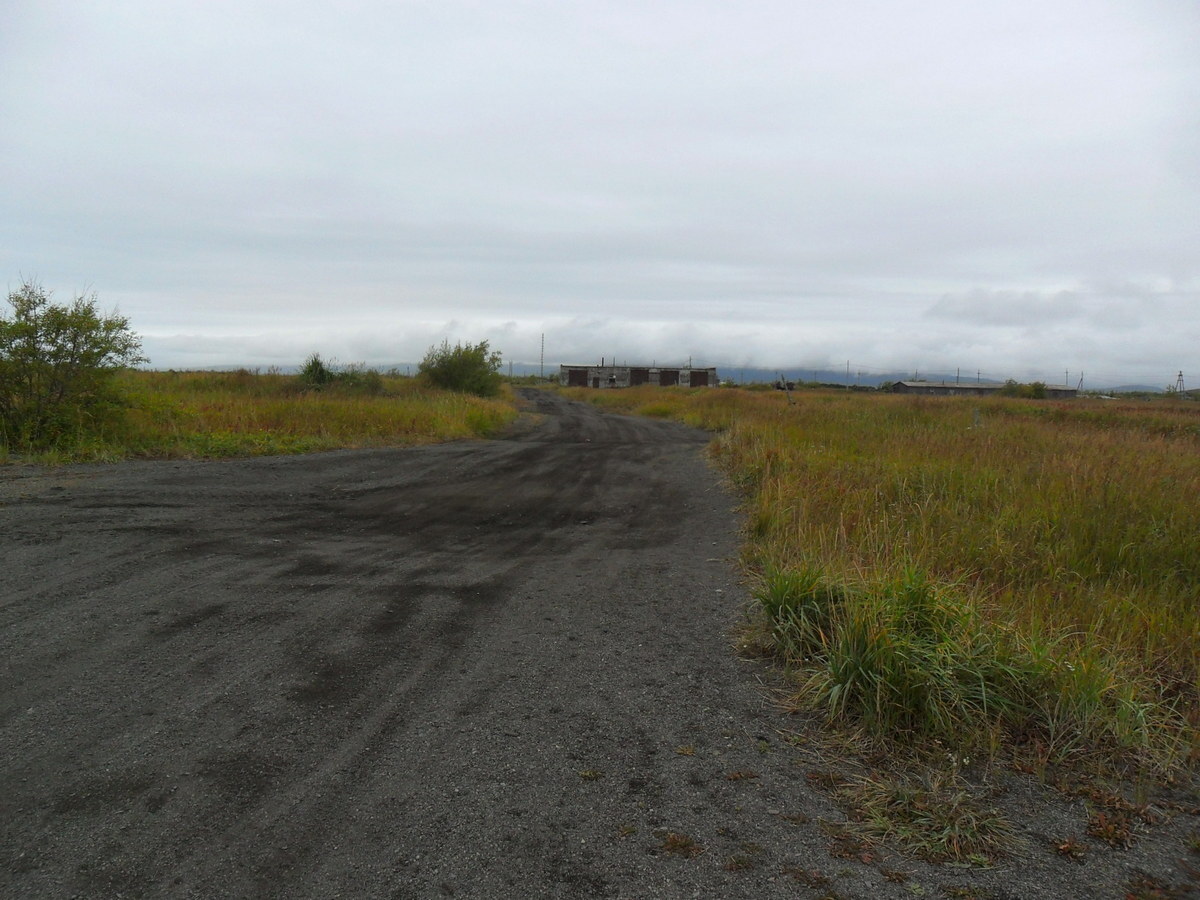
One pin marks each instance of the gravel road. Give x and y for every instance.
(482, 669)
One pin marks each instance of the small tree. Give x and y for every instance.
(58, 364)
(466, 369)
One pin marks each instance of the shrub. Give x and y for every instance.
(57, 366)
(1034, 391)
(463, 368)
(315, 374)
(360, 380)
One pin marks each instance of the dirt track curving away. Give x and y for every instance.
(488, 669)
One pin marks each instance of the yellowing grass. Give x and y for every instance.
(1083, 522)
(214, 414)
(1075, 519)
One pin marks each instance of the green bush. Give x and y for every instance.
(360, 380)
(463, 368)
(1034, 391)
(57, 367)
(315, 374)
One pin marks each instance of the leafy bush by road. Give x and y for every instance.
(57, 366)
(463, 368)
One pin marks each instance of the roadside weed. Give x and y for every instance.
(678, 844)
(937, 819)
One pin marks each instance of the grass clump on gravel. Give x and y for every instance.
(935, 818)
(916, 661)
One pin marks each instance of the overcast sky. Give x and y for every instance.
(922, 185)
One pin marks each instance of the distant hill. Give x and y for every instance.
(1135, 389)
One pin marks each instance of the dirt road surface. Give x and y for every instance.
(483, 669)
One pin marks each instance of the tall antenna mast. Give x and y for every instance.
(542, 360)
(1179, 383)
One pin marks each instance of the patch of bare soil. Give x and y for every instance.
(483, 669)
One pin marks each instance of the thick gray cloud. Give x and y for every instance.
(1010, 188)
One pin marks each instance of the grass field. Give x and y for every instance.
(222, 414)
(984, 572)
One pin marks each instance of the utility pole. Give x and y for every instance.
(847, 374)
(957, 373)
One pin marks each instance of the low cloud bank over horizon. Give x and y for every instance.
(1010, 189)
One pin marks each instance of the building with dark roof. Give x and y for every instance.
(977, 389)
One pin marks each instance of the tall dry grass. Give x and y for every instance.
(1071, 531)
(221, 414)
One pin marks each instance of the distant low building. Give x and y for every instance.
(952, 388)
(1061, 392)
(632, 376)
(946, 388)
